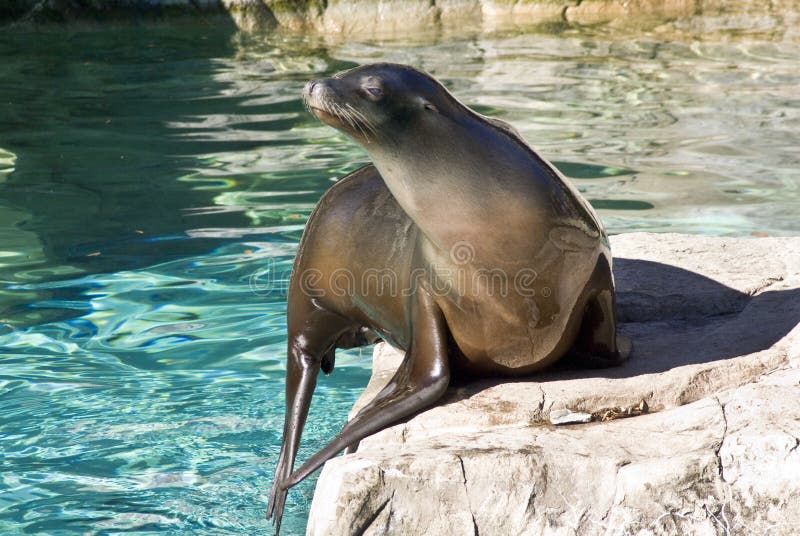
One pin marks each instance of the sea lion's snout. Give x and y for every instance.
(318, 96)
(311, 92)
(333, 102)
(308, 91)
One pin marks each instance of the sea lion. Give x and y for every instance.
(461, 245)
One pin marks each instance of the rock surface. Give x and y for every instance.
(393, 18)
(717, 361)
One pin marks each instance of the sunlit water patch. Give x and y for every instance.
(154, 184)
(159, 405)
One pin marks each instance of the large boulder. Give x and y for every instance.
(697, 433)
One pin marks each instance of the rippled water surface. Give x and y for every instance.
(154, 183)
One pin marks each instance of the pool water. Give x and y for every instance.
(154, 183)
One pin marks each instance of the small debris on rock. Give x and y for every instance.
(610, 414)
(567, 416)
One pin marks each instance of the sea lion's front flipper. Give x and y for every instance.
(419, 382)
(312, 334)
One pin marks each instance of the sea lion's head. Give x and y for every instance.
(378, 102)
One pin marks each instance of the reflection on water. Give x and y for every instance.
(154, 184)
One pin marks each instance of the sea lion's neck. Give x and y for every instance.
(454, 178)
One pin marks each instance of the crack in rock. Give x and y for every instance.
(371, 519)
(466, 491)
(722, 439)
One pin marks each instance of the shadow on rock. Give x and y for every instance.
(677, 317)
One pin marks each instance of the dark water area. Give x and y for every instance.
(154, 183)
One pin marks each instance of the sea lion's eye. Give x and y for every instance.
(374, 92)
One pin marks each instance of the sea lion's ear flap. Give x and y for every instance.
(428, 105)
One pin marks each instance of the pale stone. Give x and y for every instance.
(565, 416)
(376, 18)
(598, 11)
(716, 358)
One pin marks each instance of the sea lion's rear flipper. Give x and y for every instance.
(419, 382)
(598, 345)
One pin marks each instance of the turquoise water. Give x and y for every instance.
(154, 183)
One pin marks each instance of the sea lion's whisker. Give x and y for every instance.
(362, 119)
(359, 120)
(350, 119)
(342, 113)
(364, 125)
(349, 115)
(359, 114)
